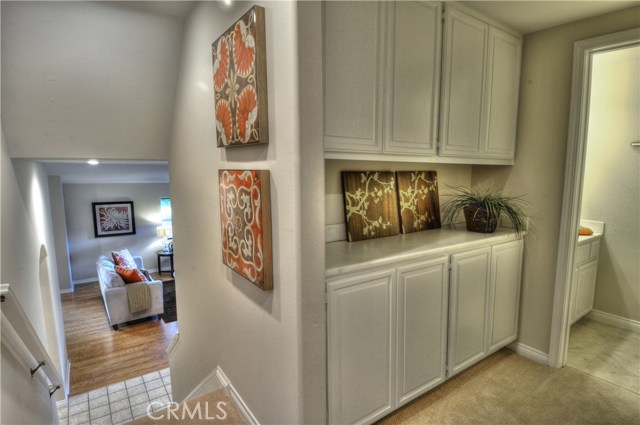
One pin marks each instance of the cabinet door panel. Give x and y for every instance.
(413, 77)
(353, 32)
(468, 308)
(422, 327)
(465, 45)
(586, 286)
(506, 262)
(503, 79)
(360, 347)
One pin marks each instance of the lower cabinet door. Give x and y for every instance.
(468, 304)
(585, 289)
(506, 266)
(422, 299)
(361, 347)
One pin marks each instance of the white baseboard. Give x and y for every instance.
(613, 320)
(83, 281)
(335, 232)
(173, 344)
(216, 380)
(66, 291)
(529, 352)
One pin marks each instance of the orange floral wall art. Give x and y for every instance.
(240, 82)
(245, 215)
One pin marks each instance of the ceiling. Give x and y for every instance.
(531, 16)
(109, 172)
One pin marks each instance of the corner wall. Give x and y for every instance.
(226, 321)
(538, 173)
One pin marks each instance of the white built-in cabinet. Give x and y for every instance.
(481, 77)
(585, 273)
(397, 331)
(363, 90)
(399, 86)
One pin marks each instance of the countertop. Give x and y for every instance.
(344, 257)
(596, 226)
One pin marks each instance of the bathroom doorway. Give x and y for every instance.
(602, 184)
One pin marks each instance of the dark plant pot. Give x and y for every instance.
(479, 221)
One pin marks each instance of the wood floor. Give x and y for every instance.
(99, 355)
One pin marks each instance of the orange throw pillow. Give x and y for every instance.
(130, 275)
(123, 258)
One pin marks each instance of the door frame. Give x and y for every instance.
(583, 51)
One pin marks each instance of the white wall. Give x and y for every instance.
(85, 248)
(538, 173)
(88, 80)
(611, 191)
(28, 265)
(254, 336)
(60, 234)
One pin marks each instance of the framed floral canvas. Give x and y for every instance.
(419, 200)
(371, 204)
(113, 219)
(245, 216)
(240, 82)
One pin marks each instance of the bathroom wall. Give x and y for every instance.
(611, 191)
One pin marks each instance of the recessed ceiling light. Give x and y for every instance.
(93, 162)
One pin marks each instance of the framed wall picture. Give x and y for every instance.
(419, 200)
(240, 82)
(113, 219)
(245, 217)
(371, 204)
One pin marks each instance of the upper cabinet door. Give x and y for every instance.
(463, 101)
(412, 77)
(353, 66)
(503, 86)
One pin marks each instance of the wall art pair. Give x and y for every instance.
(383, 203)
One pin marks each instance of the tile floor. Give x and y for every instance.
(606, 352)
(118, 403)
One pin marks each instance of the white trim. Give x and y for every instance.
(67, 380)
(83, 281)
(613, 320)
(173, 344)
(66, 291)
(572, 193)
(216, 380)
(529, 352)
(335, 232)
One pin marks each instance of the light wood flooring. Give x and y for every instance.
(99, 355)
(606, 352)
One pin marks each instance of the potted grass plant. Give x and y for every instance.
(483, 207)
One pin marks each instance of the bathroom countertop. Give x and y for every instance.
(596, 226)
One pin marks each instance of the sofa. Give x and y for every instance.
(114, 293)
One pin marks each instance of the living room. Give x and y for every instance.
(104, 336)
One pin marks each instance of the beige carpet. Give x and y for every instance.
(210, 412)
(509, 389)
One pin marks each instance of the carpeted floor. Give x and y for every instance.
(509, 389)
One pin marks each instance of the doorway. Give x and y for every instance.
(589, 55)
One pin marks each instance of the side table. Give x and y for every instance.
(161, 254)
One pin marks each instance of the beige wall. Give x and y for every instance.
(253, 335)
(448, 176)
(611, 191)
(28, 265)
(538, 172)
